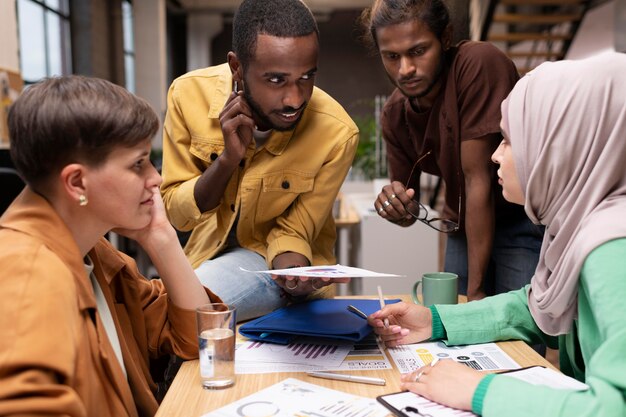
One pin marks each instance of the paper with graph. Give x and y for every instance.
(482, 357)
(323, 355)
(326, 271)
(306, 352)
(293, 397)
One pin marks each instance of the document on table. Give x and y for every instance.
(482, 357)
(326, 271)
(301, 351)
(367, 354)
(293, 397)
(539, 375)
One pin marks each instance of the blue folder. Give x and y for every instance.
(327, 318)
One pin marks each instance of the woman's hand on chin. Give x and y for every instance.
(156, 233)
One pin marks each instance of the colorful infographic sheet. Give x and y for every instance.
(305, 352)
(327, 271)
(292, 397)
(482, 357)
(261, 358)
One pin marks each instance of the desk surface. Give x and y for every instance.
(348, 216)
(186, 397)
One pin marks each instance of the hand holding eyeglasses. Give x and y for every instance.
(392, 203)
(397, 204)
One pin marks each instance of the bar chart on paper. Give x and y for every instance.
(482, 357)
(310, 354)
(292, 397)
(299, 352)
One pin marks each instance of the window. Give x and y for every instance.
(44, 38)
(129, 45)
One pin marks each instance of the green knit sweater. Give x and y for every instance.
(593, 352)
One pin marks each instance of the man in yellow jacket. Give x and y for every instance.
(253, 158)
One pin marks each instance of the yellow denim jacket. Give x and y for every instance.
(283, 192)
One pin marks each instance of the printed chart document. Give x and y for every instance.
(367, 354)
(301, 351)
(364, 355)
(292, 397)
(539, 375)
(482, 357)
(327, 271)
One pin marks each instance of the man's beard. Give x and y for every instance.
(258, 114)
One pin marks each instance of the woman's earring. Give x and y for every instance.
(82, 200)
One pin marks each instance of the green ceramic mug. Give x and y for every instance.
(437, 288)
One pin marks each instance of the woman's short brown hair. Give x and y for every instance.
(62, 120)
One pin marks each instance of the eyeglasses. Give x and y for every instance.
(421, 213)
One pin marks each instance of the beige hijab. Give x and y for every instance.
(567, 127)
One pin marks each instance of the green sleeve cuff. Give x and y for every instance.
(439, 332)
(479, 394)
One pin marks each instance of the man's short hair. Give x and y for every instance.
(63, 120)
(433, 13)
(280, 18)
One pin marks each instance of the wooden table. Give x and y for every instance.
(347, 216)
(346, 221)
(187, 398)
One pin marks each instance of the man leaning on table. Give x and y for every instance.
(253, 158)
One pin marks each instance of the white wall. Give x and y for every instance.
(150, 57)
(201, 29)
(383, 247)
(8, 36)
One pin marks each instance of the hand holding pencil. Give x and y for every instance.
(382, 305)
(401, 323)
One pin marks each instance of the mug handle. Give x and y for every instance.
(414, 293)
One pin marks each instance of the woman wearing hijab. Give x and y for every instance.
(562, 157)
(78, 323)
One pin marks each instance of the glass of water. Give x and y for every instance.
(216, 340)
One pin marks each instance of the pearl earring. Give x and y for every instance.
(82, 200)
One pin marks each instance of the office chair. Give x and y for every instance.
(12, 185)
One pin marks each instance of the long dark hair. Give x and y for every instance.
(433, 13)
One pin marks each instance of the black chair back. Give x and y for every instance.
(11, 184)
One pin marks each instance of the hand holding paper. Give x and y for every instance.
(326, 271)
(291, 282)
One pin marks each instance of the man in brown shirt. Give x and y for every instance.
(443, 118)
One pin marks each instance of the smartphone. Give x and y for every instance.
(399, 404)
(409, 404)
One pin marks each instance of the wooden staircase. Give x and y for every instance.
(533, 31)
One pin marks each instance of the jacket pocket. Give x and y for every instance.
(280, 190)
(206, 149)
